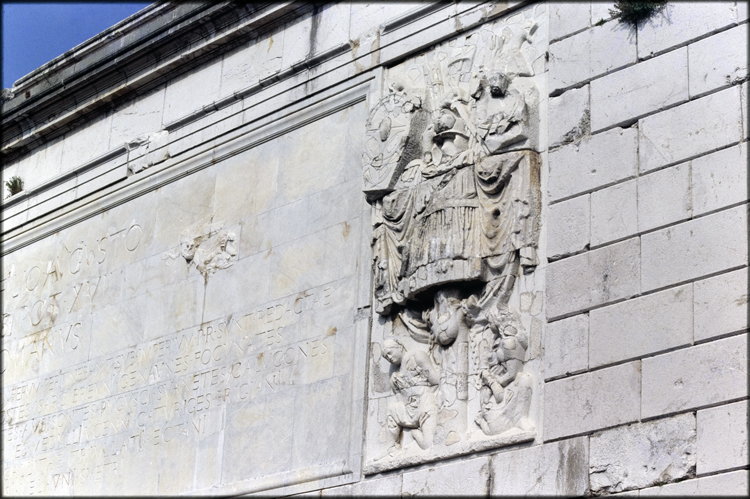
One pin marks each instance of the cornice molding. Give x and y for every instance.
(153, 46)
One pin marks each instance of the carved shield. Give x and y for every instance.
(386, 136)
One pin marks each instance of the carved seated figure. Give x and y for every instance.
(415, 407)
(506, 389)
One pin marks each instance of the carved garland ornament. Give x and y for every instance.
(451, 169)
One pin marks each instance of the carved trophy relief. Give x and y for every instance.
(452, 172)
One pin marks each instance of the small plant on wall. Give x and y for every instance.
(636, 13)
(14, 185)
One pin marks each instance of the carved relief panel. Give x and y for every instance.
(452, 170)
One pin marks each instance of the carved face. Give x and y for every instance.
(498, 83)
(393, 352)
(187, 248)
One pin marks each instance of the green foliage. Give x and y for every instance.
(14, 185)
(636, 13)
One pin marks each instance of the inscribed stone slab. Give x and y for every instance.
(144, 353)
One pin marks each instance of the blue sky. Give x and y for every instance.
(36, 33)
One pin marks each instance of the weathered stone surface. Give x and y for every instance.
(719, 179)
(181, 98)
(469, 477)
(296, 40)
(579, 58)
(250, 63)
(331, 27)
(593, 278)
(744, 99)
(693, 249)
(369, 16)
(641, 326)
(47, 166)
(388, 486)
(590, 401)
(664, 197)
(141, 117)
(631, 493)
(568, 229)
(96, 138)
(566, 346)
(644, 454)
(680, 23)
(568, 18)
(385, 486)
(690, 129)
(718, 61)
(558, 468)
(705, 374)
(722, 437)
(644, 88)
(720, 305)
(180, 317)
(569, 116)
(197, 311)
(614, 212)
(600, 11)
(451, 168)
(592, 163)
(742, 12)
(724, 485)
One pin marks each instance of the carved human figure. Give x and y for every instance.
(506, 357)
(415, 407)
(470, 196)
(456, 222)
(501, 113)
(505, 392)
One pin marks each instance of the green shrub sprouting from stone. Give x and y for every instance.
(635, 13)
(14, 185)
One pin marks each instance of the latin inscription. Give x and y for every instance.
(169, 389)
(81, 423)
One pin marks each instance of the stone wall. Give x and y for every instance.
(647, 238)
(195, 292)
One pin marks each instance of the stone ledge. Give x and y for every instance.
(510, 437)
(121, 82)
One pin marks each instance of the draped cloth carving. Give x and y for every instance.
(451, 169)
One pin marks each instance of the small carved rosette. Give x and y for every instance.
(451, 169)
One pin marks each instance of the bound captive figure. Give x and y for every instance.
(505, 390)
(415, 407)
(452, 171)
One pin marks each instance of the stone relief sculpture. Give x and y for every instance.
(207, 246)
(451, 169)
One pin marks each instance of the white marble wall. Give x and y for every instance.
(123, 360)
(656, 231)
(127, 371)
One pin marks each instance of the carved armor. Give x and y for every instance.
(456, 202)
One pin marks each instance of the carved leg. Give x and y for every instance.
(518, 408)
(482, 423)
(426, 432)
(394, 432)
